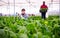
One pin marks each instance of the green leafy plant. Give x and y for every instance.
(32, 27)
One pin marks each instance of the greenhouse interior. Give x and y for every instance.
(29, 18)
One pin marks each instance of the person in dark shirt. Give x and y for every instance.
(43, 10)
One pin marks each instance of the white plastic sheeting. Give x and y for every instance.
(31, 6)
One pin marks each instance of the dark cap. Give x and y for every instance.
(43, 1)
(23, 9)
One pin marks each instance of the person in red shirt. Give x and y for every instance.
(43, 10)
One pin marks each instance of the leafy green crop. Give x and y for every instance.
(32, 27)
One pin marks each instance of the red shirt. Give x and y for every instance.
(44, 6)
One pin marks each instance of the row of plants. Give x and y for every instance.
(32, 27)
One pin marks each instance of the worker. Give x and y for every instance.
(43, 10)
(23, 14)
